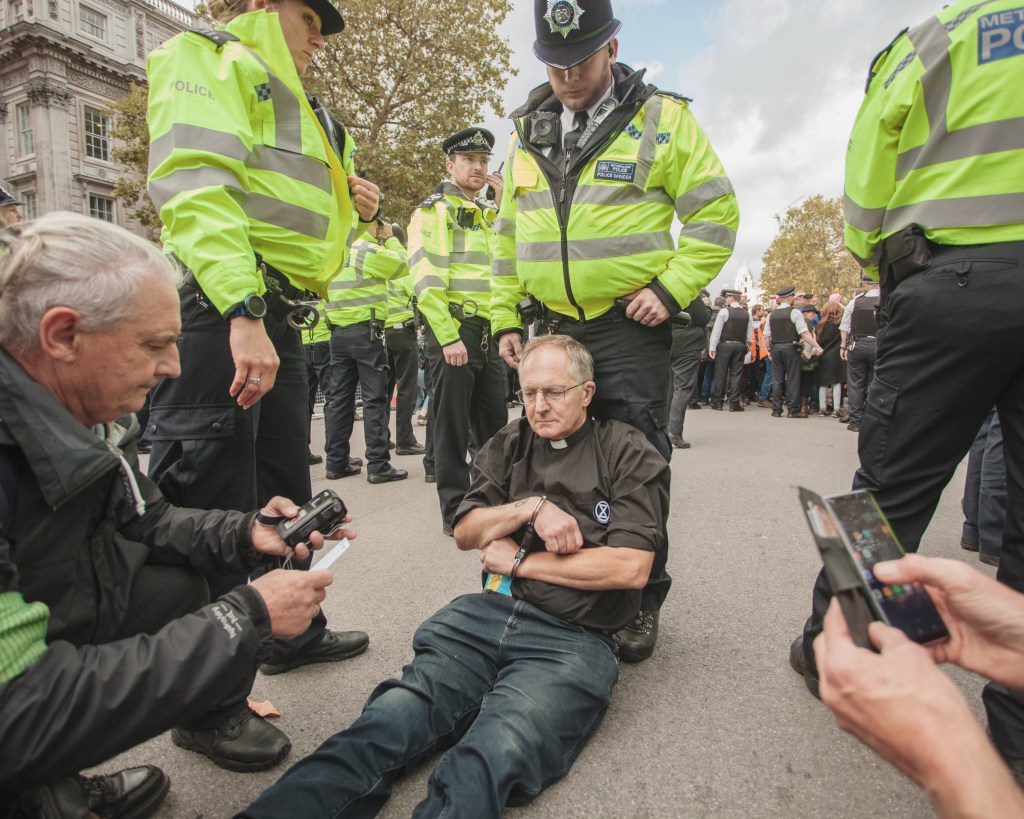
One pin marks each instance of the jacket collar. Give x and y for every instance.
(627, 82)
(261, 32)
(65, 455)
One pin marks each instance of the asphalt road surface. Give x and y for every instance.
(714, 724)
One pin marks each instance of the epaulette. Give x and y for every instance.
(879, 57)
(675, 96)
(431, 200)
(216, 36)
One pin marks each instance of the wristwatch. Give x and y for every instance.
(254, 307)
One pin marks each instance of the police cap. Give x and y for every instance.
(808, 308)
(786, 292)
(570, 31)
(330, 18)
(7, 199)
(469, 141)
(734, 293)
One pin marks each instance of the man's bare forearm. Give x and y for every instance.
(596, 569)
(480, 526)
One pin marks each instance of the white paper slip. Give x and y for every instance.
(339, 549)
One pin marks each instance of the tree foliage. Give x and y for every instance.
(809, 251)
(131, 153)
(405, 74)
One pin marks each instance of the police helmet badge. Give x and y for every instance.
(564, 16)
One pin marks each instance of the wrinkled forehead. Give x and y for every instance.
(545, 366)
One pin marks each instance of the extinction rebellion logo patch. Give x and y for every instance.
(603, 512)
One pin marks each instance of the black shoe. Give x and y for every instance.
(695, 405)
(969, 545)
(387, 475)
(429, 477)
(355, 461)
(678, 442)
(312, 459)
(334, 646)
(636, 641)
(344, 472)
(853, 427)
(988, 559)
(798, 661)
(245, 742)
(717, 407)
(777, 414)
(797, 415)
(735, 408)
(133, 793)
(391, 444)
(411, 449)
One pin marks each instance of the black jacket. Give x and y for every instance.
(72, 538)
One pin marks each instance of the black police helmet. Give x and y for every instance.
(570, 31)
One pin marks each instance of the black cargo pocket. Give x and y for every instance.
(657, 411)
(874, 436)
(173, 423)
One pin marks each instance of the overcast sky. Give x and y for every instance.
(776, 85)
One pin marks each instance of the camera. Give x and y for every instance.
(544, 127)
(324, 513)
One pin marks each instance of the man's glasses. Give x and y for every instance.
(553, 395)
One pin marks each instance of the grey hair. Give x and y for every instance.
(581, 364)
(69, 260)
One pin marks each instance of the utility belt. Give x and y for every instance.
(465, 312)
(409, 326)
(554, 319)
(851, 343)
(373, 324)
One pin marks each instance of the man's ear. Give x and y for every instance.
(589, 388)
(60, 334)
(613, 49)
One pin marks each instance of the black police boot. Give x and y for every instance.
(245, 742)
(133, 793)
(387, 475)
(636, 641)
(334, 646)
(798, 662)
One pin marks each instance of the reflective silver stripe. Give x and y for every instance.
(195, 138)
(712, 233)
(345, 284)
(704, 194)
(287, 216)
(613, 195)
(470, 285)
(471, 257)
(505, 227)
(648, 142)
(874, 259)
(535, 200)
(421, 254)
(458, 242)
(162, 190)
(429, 281)
(295, 166)
(968, 211)
(503, 267)
(931, 41)
(978, 140)
(583, 250)
(864, 219)
(287, 110)
(360, 302)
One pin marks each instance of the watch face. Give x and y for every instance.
(255, 307)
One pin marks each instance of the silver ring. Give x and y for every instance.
(255, 381)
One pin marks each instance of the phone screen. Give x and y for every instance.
(871, 541)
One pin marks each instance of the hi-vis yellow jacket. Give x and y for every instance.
(359, 292)
(450, 244)
(239, 163)
(400, 297)
(321, 331)
(938, 141)
(578, 239)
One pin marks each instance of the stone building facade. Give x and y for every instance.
(61, 63)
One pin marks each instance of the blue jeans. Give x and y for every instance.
(766, 382)
(512, 692)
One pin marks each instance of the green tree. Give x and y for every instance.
(131, 153)
(809, 251)
(403, 76)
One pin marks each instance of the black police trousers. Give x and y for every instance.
(404, 371)
(960, 319)
(209, 453)
(466, 400)
(860, 368)
(785, 376)
(729, 370)
(633, 372)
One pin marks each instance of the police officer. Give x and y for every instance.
(450, 239)
(730, 340)
(10, 215)
(689, 335)
(600, 164)
(316, 352)
(935, 209)
(357, 307)
(255, 188)
(403, 356)
(859, 331)
(783, 332)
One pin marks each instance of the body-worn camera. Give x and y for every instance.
(529, 310)
(324, 513)
(544, 129)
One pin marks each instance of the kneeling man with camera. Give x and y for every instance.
(107, 633)
(567, 513)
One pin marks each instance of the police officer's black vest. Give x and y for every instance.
(735, 328)
(862, 320)
(783, 328)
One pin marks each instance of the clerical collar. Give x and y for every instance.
(574, 438)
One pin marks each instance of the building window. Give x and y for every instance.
(97, 134)
(29, 208)
(23, 116)
(101, 208)
(93, 23)
(17, 12)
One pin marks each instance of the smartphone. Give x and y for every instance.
(857, 522)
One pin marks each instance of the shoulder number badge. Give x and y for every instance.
(564, 16)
